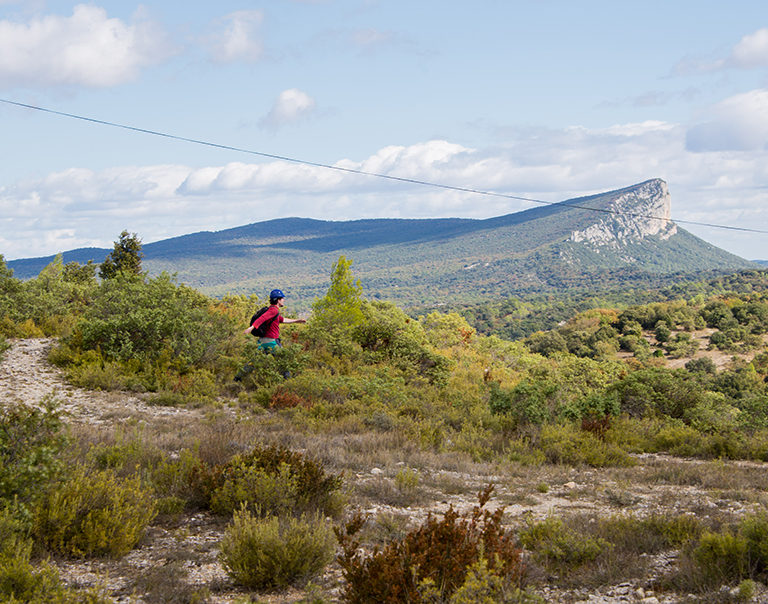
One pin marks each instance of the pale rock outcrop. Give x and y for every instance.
(641, 212)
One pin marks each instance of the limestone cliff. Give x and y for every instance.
(635, 214)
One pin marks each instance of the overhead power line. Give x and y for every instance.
(372, 174)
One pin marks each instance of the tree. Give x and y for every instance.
(10, 290)
(341, 307)
(124, 259)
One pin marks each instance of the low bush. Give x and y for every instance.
(93, 514)
(268, 552)
(649, 534)
(39, 583)
(723, 556)
(168, 583)
(440, 551)
(585, 550)
(272, 492)
(285, 399)
(187, 478)
(261, 370)
(553, 542)
(566, 443)
(727, 556)
(23, 329)
(277, 480)
(23, 581)
(31, 439)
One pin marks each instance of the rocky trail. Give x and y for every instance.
(26, 376)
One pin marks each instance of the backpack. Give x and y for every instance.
(261, 330)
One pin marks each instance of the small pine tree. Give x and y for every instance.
(124, 259)
(342, 305)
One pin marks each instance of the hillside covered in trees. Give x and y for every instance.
(602, 391)
(621, 239)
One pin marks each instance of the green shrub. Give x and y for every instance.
(723, 556)
(482, 585)
(39, 583)
(682, 345)
(443, 551)
(260, 369)
(267, 552)
(657, 391)
(277, 480)
(447, 329)
(273, 492)
(703, 365)
(31, 440)
(679, 439)
(186, 478)
(152, 321)
(22, 581)
(106, 376)
(93, 513)
(388, 334)
(552, 541)
(648, 534)
(565, 443)
(734, 554)
(23, 329)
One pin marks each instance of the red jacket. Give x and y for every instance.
(273, 330)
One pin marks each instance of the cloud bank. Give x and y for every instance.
(87, 49)
(739, 123)
(79, 207)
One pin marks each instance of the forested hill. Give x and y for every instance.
(610, 238)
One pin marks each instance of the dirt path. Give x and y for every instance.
(26, 376)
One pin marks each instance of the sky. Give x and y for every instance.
(543, 99)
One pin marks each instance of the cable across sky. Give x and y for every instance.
(391, 177)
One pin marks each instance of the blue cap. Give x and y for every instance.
(275, 294)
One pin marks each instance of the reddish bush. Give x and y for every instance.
(440, 550)
(597, 426)
(284, 399)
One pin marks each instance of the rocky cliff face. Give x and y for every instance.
(638, 213)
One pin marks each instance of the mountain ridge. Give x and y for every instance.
(576, 242)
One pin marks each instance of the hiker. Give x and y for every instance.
(266, 325)
(269, 321)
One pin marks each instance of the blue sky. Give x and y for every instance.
(547, 99)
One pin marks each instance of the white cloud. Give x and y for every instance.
(238, 38)
(291, 106)
(86, 49)
(751, 51)
(739, 123)
(78, 207)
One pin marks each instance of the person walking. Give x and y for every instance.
(266, 325)
(269, 322)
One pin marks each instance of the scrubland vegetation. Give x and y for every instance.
(278, 457)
